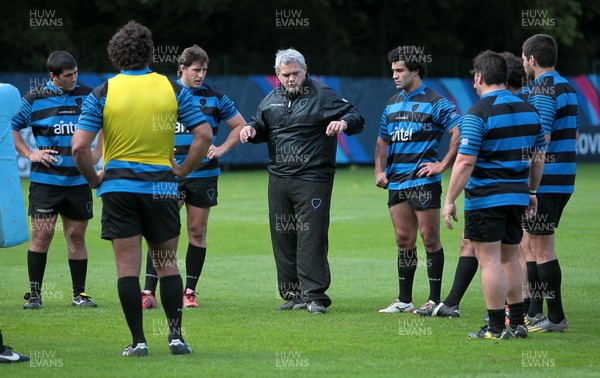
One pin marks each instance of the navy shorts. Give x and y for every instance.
(74, 202)
(199, 192)
(501, 223)
(128, 214)
(421, 197)
(549, 212)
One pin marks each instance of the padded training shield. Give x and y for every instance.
(13, 221)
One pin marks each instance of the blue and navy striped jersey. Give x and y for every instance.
(503, 131)
(523, 94)
(216, 107)
(413, 125)
(137, 111)
(556, 101)
(52, 115)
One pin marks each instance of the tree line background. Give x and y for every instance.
(337, 37)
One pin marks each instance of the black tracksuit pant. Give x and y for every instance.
(299, 221)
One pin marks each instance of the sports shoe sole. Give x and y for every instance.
(84, 304)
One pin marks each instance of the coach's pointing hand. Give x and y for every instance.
(247, 132)
(336, 128)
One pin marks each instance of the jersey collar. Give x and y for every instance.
(408, 96)
(542, 76)
(496, 93)
(141, 71)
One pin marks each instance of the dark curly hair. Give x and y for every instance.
(516, 72)
(131, 47)
(413, 57)
(492, 66)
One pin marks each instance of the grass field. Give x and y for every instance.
(237, 332)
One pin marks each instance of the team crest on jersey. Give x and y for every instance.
(211, 194)
(79, 101)
(303, 102)
(89, 206)
(203, 102)
(316, 202)
(414, 108)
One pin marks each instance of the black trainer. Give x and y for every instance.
(83, 300)
(10, 357)
(140, 350)
(292, 304)
(446, 311)
(178, 346)
(427, 308)
(486, 333)
(316, 307)
(34, 300)
(520, 332)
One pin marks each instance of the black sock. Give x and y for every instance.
(407, 266)
(171, 289)
(78, 274)
(496, 320)
(131, 302)
(151, 275)
(194, 262)
(551, 279)
(515, 314)
(435, 270)
(526, 303)
(536, 300)
(465, 271)
(36, 265)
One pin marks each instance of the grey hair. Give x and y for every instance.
(288, 56)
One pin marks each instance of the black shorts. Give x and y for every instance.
(199, 192)
(501, 223)
(549, 212)
(128, 214)
(74, 202)
(421, 197)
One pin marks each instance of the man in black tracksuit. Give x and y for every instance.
(300, 120)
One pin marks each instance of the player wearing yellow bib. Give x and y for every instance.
(137, 111)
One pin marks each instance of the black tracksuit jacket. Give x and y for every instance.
(294, 128)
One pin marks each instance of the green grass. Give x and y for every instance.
(237, 331)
